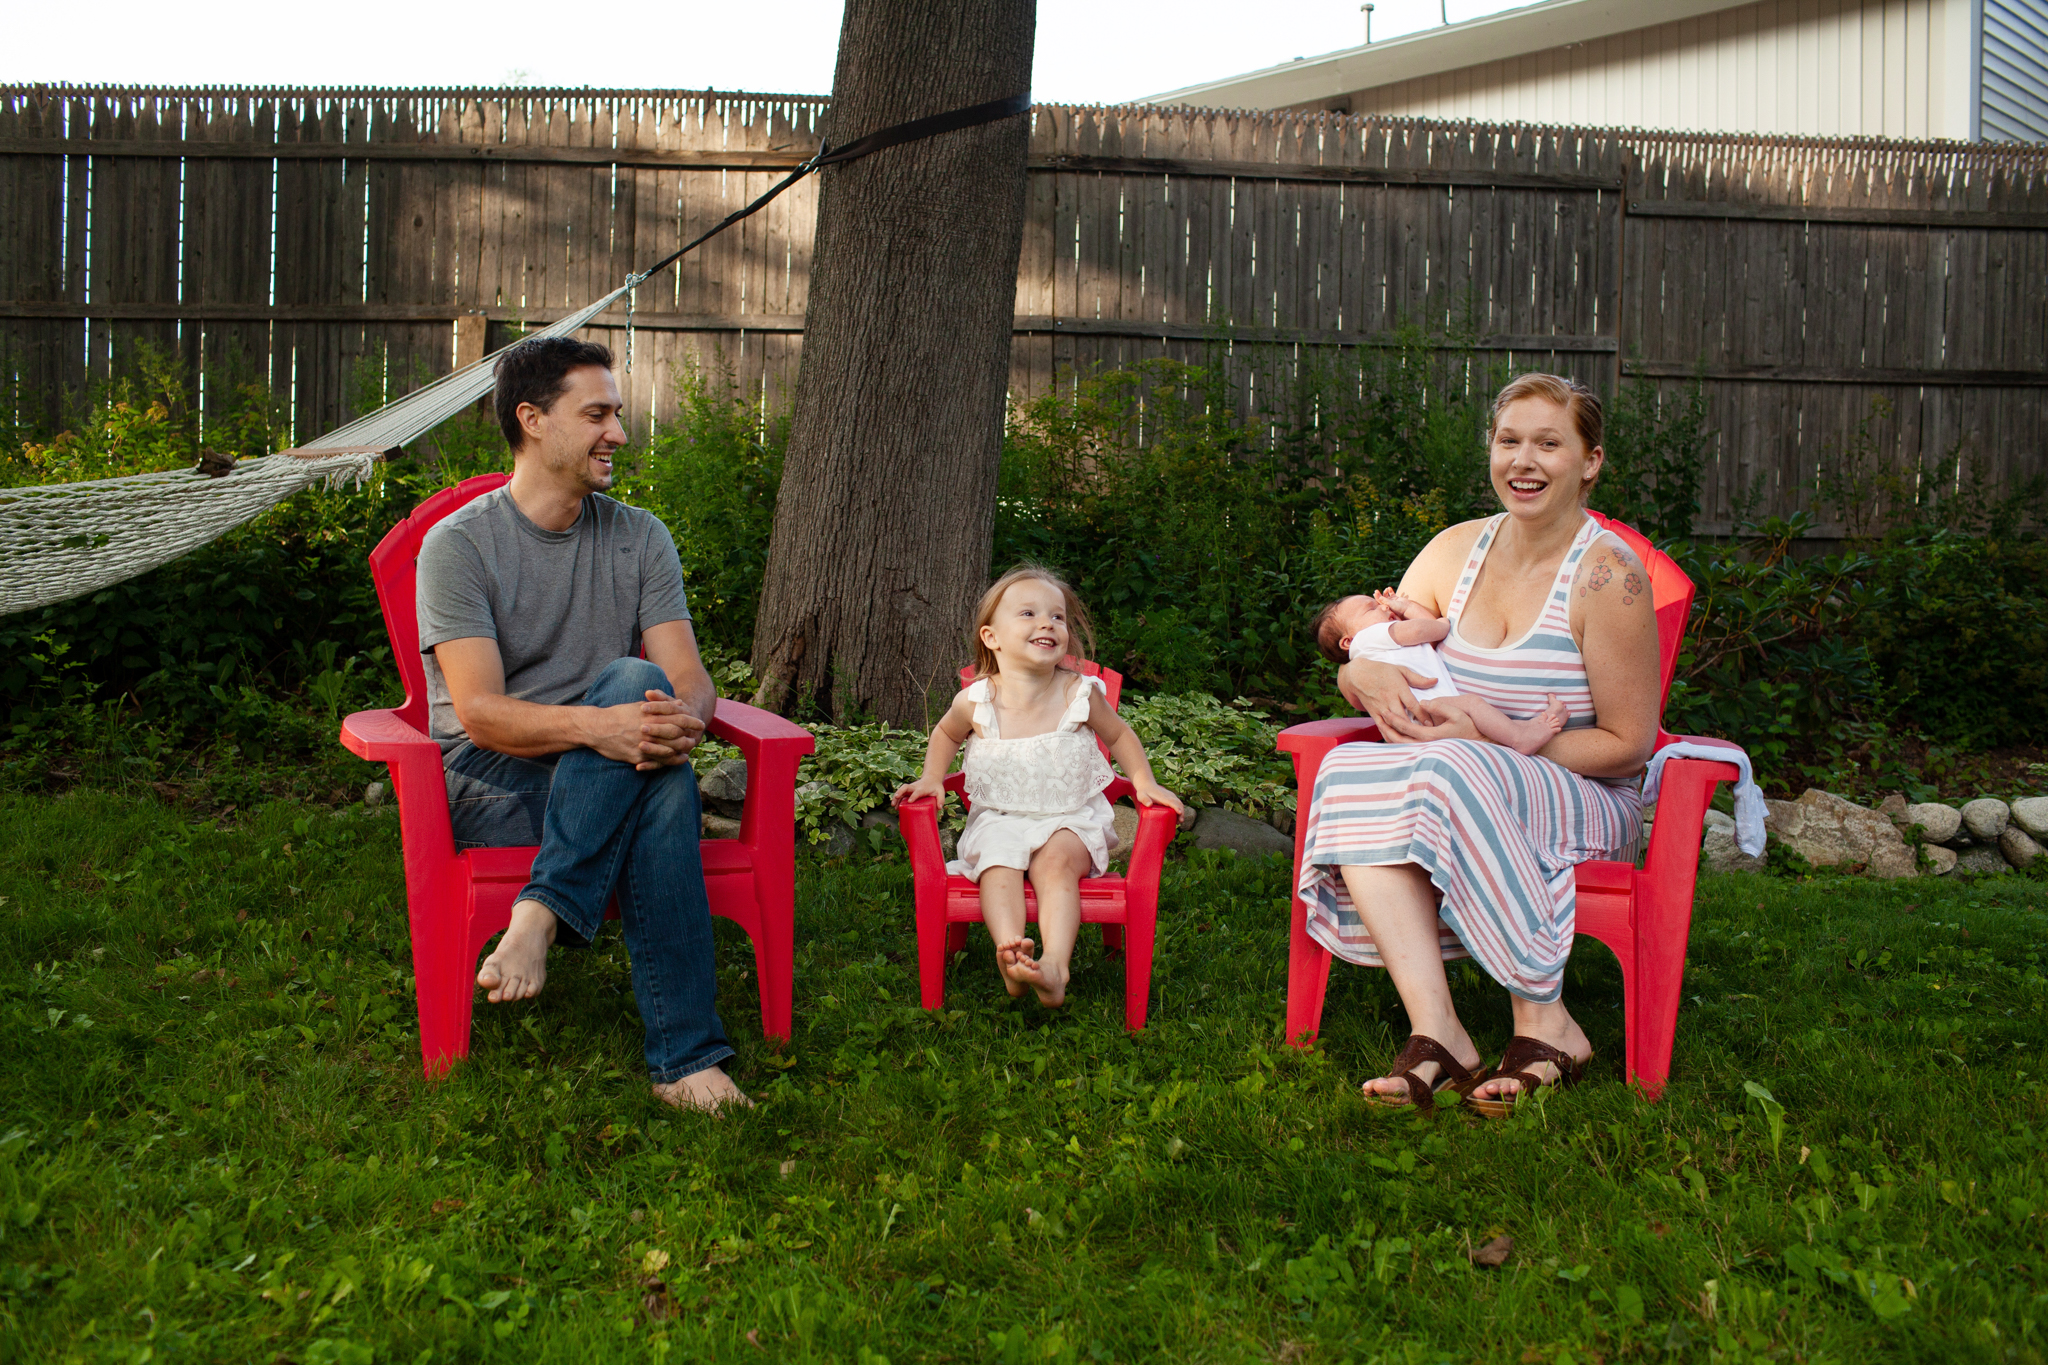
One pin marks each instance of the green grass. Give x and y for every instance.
(215, 1144)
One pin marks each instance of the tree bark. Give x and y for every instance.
(886, 510)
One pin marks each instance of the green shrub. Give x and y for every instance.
(1204, 511)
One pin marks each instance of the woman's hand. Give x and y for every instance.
(1150, 793)
(1382, 691)
(1443, 722)
(934, 787)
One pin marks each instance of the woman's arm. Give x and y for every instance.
(947, 736)
(1616, 629)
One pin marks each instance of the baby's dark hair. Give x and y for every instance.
(1328, 633)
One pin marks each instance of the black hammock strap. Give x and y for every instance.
(953, 120)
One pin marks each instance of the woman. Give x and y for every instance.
(1439, 845)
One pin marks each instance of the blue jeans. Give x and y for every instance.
(606, 830)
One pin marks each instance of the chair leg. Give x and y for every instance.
(933, 937)
(774, 964)
(1139, 929)
(956, 940)
(1112, 938)
(446, 988)
(1308, 979)
(1650, 996)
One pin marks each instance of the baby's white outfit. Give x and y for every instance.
(1377, 643)
(1024, 791)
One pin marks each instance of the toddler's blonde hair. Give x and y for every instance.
(1080, 633)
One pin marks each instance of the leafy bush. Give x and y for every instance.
(1212, 754)
(1204, 511)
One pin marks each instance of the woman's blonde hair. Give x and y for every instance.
(1580, 403)
(1080, 633)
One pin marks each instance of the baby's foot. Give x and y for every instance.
(1048, 981)
(1007, 955)
(1532, 734)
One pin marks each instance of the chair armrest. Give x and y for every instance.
(773, 748)
(1157, 824)
(1327, 733)
(417, 779)
(919, 822)
(755, 732)
(1682, 797)
(383, 737)
(1707, 741)
(1311, 743)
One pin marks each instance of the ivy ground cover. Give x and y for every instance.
(215, 1144)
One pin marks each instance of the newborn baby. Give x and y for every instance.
(1390, 629)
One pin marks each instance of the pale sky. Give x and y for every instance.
(1089, 51)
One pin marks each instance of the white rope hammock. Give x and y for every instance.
(64, 540)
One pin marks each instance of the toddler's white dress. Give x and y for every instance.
(1024, 791)
(1377, 643)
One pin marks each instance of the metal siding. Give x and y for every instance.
(2014, 87)
(1826, 68)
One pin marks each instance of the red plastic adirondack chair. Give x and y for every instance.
(1127, 907)
(1644, 914)
(458, 900)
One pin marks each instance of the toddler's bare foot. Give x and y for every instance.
(710, 1090)
(519, 966)
(1047, 981)
(1532, 734)
(1008, 955)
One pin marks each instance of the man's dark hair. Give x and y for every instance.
(536, 372)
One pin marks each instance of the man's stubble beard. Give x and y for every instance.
(576, 464)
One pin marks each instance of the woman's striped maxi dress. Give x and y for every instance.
(1498, 832)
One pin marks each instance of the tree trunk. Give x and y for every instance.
(883, 523)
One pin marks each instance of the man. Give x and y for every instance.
(534, 603)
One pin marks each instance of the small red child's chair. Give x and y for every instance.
(458, 900)
(1127, 907)
(1644, 914)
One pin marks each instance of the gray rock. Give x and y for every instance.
(882, 817)
(2018, 846)
(1986, 818)
(1221, 827)
(2030, 813)
(838, 840)
(1938, 823)
(724, 788)
(1718, 849)
(718, 827)
(1939, 861)
(1893, 807)
(1282, 820)
(375, 795)
(1830, 831)
(1126, 831)
(1983, 861)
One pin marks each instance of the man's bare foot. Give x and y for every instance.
(1047, 982)
(1532, 734)
(519, 966)
(709, 1090)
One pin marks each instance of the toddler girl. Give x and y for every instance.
(1391, 629)
(1034, 773)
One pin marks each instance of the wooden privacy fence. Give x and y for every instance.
(319, 237)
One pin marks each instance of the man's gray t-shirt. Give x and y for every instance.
(561, 604)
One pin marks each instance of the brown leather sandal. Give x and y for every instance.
(1422, 1094)
(1523, 1053)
